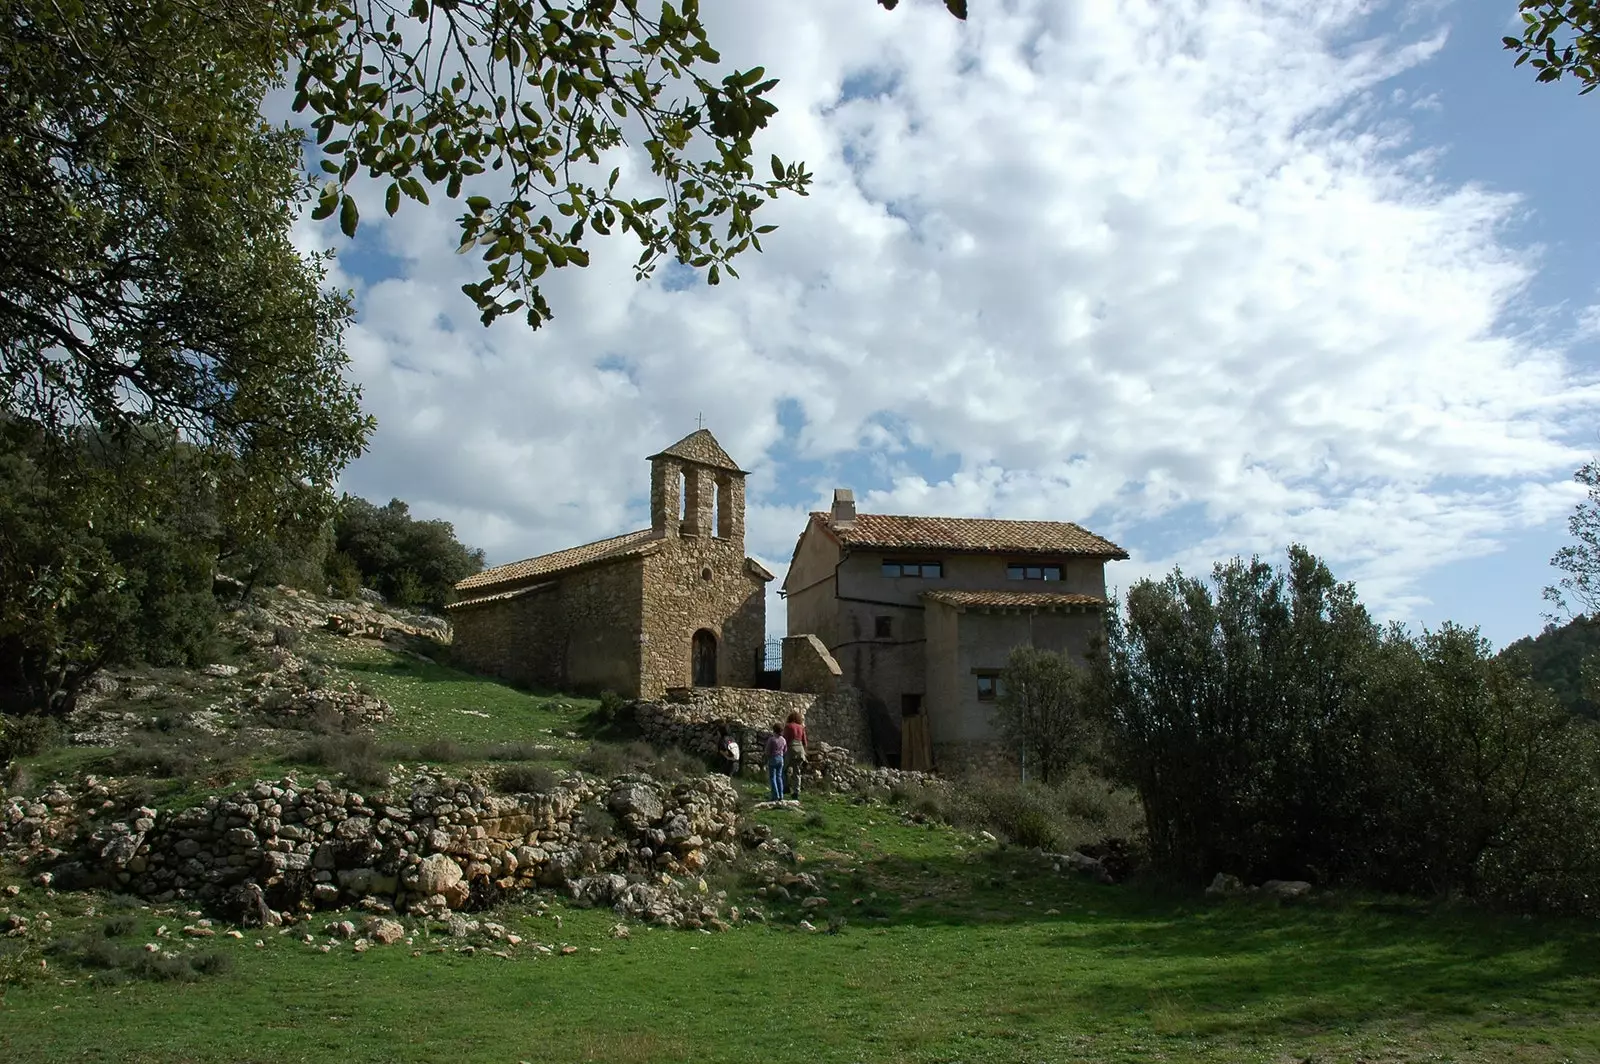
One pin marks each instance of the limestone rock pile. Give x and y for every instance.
(449, 844)
(45, 825)
(294, 608)
(291, 692)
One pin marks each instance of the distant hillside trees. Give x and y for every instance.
(1273, 730)
(409, 562)
(1563, 659)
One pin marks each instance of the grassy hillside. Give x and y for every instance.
(951, 950)
(934, 944)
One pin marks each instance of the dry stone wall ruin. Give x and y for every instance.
(282, 847)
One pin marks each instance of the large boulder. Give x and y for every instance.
(637, 800)
(438, 874)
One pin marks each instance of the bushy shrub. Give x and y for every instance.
(615, 759)
(25, 736)
(117, 926)
(355, 757)
(446, 751)
(525, 779)
(179, 753)
(598, 821)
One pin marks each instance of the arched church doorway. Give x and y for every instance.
(705, 658)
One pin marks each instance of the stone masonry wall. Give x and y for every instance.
(694, 583)
(807, 665)
(604, 608)
(695, 720)
(581, 634)
(442, 844)
(515, 639)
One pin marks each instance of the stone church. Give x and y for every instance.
(677, 604)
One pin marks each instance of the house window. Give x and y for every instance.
(882, 627)
(922, 570)
(988, 685)
(1026, 571)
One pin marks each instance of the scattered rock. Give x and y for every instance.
(385, 932)
(1286, 888)
(1225, 885)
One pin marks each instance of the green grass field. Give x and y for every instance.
(944, 948)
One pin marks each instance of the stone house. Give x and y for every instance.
(674, 605)
(921, 614)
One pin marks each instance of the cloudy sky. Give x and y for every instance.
(1206, 277)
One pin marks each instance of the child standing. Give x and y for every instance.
(730, 754)
(776, 746)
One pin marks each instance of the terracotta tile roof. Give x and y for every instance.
(970, 534)
(502, 596)
(1024, 600)
(622, 546)
(701, 447)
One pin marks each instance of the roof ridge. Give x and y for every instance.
(701, 448)
(980, 534)
(529, 566)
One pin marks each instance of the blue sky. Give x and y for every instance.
(1207, 277)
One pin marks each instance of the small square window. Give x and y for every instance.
(1052, 572)
(883, 627)
(1015, 572)
(891, 569)
(988, 686)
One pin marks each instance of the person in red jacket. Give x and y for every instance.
(794, 733)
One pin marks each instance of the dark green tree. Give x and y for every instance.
(1480, 782)
(1041, 711)
(111, 571)
(1560, 38)
(1272, 730)
(1228, 702)
(409, 562)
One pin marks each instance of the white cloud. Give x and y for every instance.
(1106, 261)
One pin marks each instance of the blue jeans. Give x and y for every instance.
(775, 777)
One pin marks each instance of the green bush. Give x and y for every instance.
(516, 751)
(445, 751)
(608, 760)
(409, 562)
(26, 736)
(525, 779)
(355, 757)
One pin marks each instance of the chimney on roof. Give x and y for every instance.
(844, 507)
